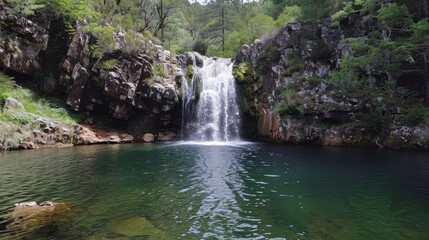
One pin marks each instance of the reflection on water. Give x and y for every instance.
(218, 172)
(217, 191)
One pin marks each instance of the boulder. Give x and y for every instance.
(126, 138)
(12, 103)
(166, 136)
(148, 137)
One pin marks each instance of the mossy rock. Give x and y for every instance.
(47, 216)
(135, 227)
(190, 71)
(244, 72)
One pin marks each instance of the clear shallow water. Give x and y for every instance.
(213, 191)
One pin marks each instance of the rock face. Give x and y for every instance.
(86, 136)
(281, 88)
(21, 41)
(129, 86)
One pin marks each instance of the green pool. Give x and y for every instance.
(220, 191)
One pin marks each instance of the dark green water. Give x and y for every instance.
(252, 191)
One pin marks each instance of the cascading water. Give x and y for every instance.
(210, 111)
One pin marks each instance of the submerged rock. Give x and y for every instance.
(135, 227)
(30, 215)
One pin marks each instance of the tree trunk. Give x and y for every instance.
(162, 22)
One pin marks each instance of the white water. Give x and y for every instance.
(210, 111)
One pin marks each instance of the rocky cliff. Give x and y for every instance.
(21, 41)
(135, 84)
(139, 87)
(283, 88)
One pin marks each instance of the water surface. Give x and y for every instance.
(218, 191)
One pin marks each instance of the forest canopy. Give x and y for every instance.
(221, 27)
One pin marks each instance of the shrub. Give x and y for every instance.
(109, 64)
(293, 63)
(6, 85)
(158, 70)
(25, 7)
(415, 116)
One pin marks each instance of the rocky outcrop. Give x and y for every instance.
(21, 41)
(282, 89)
(85, 136)
(129, 86)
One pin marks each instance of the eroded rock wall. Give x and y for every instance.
(139, 88)
(21, 41)
(282, 89)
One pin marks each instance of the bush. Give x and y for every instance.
(415, 116)
(293, 63)
(267, 57)
(6, 86)
(158, 70)
(109, 64)
(25, 7)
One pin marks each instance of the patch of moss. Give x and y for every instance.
(190, 71)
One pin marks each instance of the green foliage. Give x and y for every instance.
(240, 71)
(415, 116)
(106, 43)
(6, 86)
(158, 70)
(40, 105)
(289, 14)
(293, 63)
(269, 55)
(394, 15)
(420, 31)
(20, 118)
(190, 71)
(70, 10)
(109, 64)
(290, 104)
(25, 7)
(314, 81)
(134, 43)
(347, 80)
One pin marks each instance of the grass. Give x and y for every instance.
(34, 103)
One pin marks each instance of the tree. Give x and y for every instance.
(314, 10)
(164, 8)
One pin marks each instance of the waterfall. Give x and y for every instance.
(210, 111)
